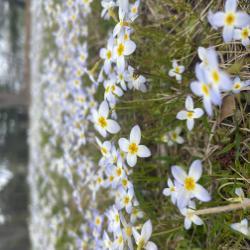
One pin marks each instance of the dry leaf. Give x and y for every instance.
(228, 107)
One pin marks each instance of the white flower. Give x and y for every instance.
(136, 214)
(171, 191)
(127, 232)
(173, 137)
(132, 147)
(190, 218)
(189, 186)
(176, 71)
(112, 91)
(133, 14)
(107, 55)
(190, 113)
(238, 85)
(241, 227)
(142, 240)
(122, 49)
(125, 200)
(121, 25)
(203, 88)
(243, 35)
(107, 5)
(229, 19)
(102, 123)
(123, 5)
(105, 147)
(135, 81)
(208, 57)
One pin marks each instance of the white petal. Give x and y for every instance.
(151, 246)
(113, 127)
(121, 63)
(166, 191)
(143, 151)
(171, 73)
(187, 223)
(117, 29)
(107, 66)
(208, 106)
(227, 33)
(237, 34)
(202, 53)
(183, 199)
(136, 235)
(201, 193)
(190, 124)
(182, 115)
(130, 47)
(242, 19)
(246, 42)
(104, 109)
(179, 140)
(225, 81)
(231, 5)
(131, 160)
(146, 230)
(196, 88)
(135, 135)
(178, 173)
(103, 53)
(195, 170)
(212, 58)
(216, 19)
(198, 113)
(189, 104)
(197, 220)
(123, 144)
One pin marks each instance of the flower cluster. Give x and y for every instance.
(71, 111)
(211, 84)
(235, 23)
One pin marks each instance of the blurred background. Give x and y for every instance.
(14, 101)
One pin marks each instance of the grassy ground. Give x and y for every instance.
(168, 30)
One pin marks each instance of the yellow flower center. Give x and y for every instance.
(172, 189)
(117, 218)
(190, 114)
(245, 33)
(133, 148)
(126, 37)
(120, 49)
(102, 122)
(120, 239)
(205, 89)
(97, 221)
(113, 88)
(141, 244)
(82, 57)
(109, 54)
(216, 76)
(230, 19)
(134, 10)
(174, 136)
(124, 182)
(189, 183)
(99, 180)
(104, 150)
(111, 178)
(237, 85)
(128, 231)
(119, 172)
(177, 70)
(126, 199)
